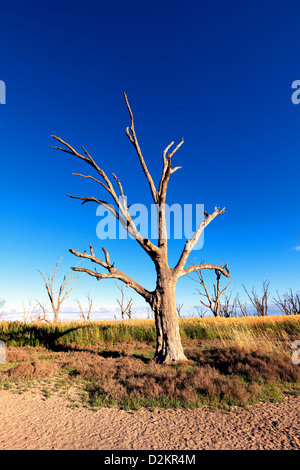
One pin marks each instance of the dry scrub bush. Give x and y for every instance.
(111, 388)
(233, 374)
(275, 366)
(38, 369)
(141, 382)
(20, 355)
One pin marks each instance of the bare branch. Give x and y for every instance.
(198, 267)
(113, 273)
(189, 245)
(123, 215)
(44, 317)
(130, 131)
(91, 177)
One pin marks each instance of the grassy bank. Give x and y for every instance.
(114, 332)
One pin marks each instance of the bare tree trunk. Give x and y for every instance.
(168, 342)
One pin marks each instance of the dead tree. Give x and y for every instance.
(213, 302)
(242, 307)
(42, 315)
(28, 311)
(228, 308)
(178, 309)
(289, 304)
(162, 299)
(83, 316)
(125, 307)
(260, 303)
(201, 313)
(64, 289)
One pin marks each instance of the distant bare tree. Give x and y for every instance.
(201, 313)
(242, 307)
(64, 289)
(289, 304)
(213, 301)
(42, 315)
(260, 303)
(178, 309)
(28, 311)
(125, 307)
(83, 316)
(228, 308)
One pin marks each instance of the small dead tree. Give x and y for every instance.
(126, 307)
(64, 289)
(201, 313)
(161, 300)
(260, 303)
(242, 307)
(83, 316)
(178, 309)
(213, 302)
(42, 315)
(28, 311)
(228, 308)
(289, 304)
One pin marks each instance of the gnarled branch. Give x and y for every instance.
(189, 244)
(123, 215)
(113, 273)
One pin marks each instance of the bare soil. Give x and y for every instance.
(30, 421)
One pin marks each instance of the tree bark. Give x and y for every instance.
(168, 341)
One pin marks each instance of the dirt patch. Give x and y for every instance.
(30, 422)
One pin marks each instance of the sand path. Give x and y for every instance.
(31, 422)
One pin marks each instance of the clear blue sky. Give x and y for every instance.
(217, 73)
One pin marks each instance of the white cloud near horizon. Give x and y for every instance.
(297, 248)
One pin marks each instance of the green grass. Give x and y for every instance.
(130, 331)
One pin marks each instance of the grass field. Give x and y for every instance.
(232, 362)
(112, 332)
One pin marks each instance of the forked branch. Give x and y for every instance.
(179, 269)
(113, 273)
(130, 132)
(122, 212)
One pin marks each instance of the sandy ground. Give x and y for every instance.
(31, 422)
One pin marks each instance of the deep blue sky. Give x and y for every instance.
(217, 73)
